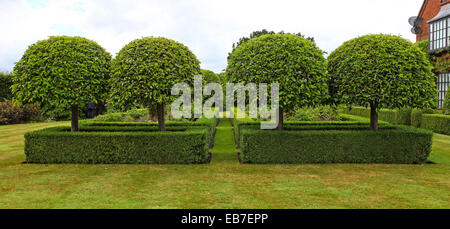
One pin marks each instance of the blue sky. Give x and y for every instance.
(207, 27)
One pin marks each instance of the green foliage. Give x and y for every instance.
(403, 116)
(56, 111)
(292, 61)
(30, 113)
(58, 145)
(437, 123)
(319, 113)
(145, 70)
(5, 86)
(351, 123)
(122, 143)
(424, 47)
(446, 106)
(398, 116)
(416, 116)
(210, 77)
(338, 144)
(68, 70)
(128, 116)
(12, 113)
(383, 70)
(259, 33)
(439, 64)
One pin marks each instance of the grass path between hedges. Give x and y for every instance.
(222, 184)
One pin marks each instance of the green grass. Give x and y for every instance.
(222, 184)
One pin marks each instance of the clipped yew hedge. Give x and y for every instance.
(436, 122)
(351, 122)
(338, 143)
(398, 116)
(122, 143)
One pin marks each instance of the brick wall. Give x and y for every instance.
(429, 10)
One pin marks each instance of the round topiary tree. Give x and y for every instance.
(381, 71)
(63, 70)
(294, 62)
(145, 70)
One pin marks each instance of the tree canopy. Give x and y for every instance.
(62, 69)
(381, 71)
(259, 33)
(294, 62)
(145, 70)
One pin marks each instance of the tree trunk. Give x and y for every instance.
(75, 118)
(280, 120)
(373, 117)
(161, 120)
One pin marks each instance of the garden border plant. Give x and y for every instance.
(426, 119)
(333, 142)
(123, 143)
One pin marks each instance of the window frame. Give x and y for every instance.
(442, 83)
(439, 35)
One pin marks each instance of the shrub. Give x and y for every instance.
(319, 113)
(128, 116)
(389, 145)
(59, 145)
(30, 112)
(398, 116)
(438, 123)
(73, 71)
(403, 116)
(294, 62)
(113, 117)
(351, 123)
(383, 114)
(381, 71)
(122, 143)
(5, 86)
(11, 113)
(416, 116)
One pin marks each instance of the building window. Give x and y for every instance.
(443, 83)
(440, 34)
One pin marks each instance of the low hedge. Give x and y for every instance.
(389, 145)
(398, 116)
(383, 114)
(122, 143)
(352, 123)
(420, 118)
(438, 123)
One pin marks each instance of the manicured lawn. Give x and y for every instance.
(222, 184)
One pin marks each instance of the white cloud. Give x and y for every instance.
(207, 27)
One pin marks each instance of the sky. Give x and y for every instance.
(208, 27)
